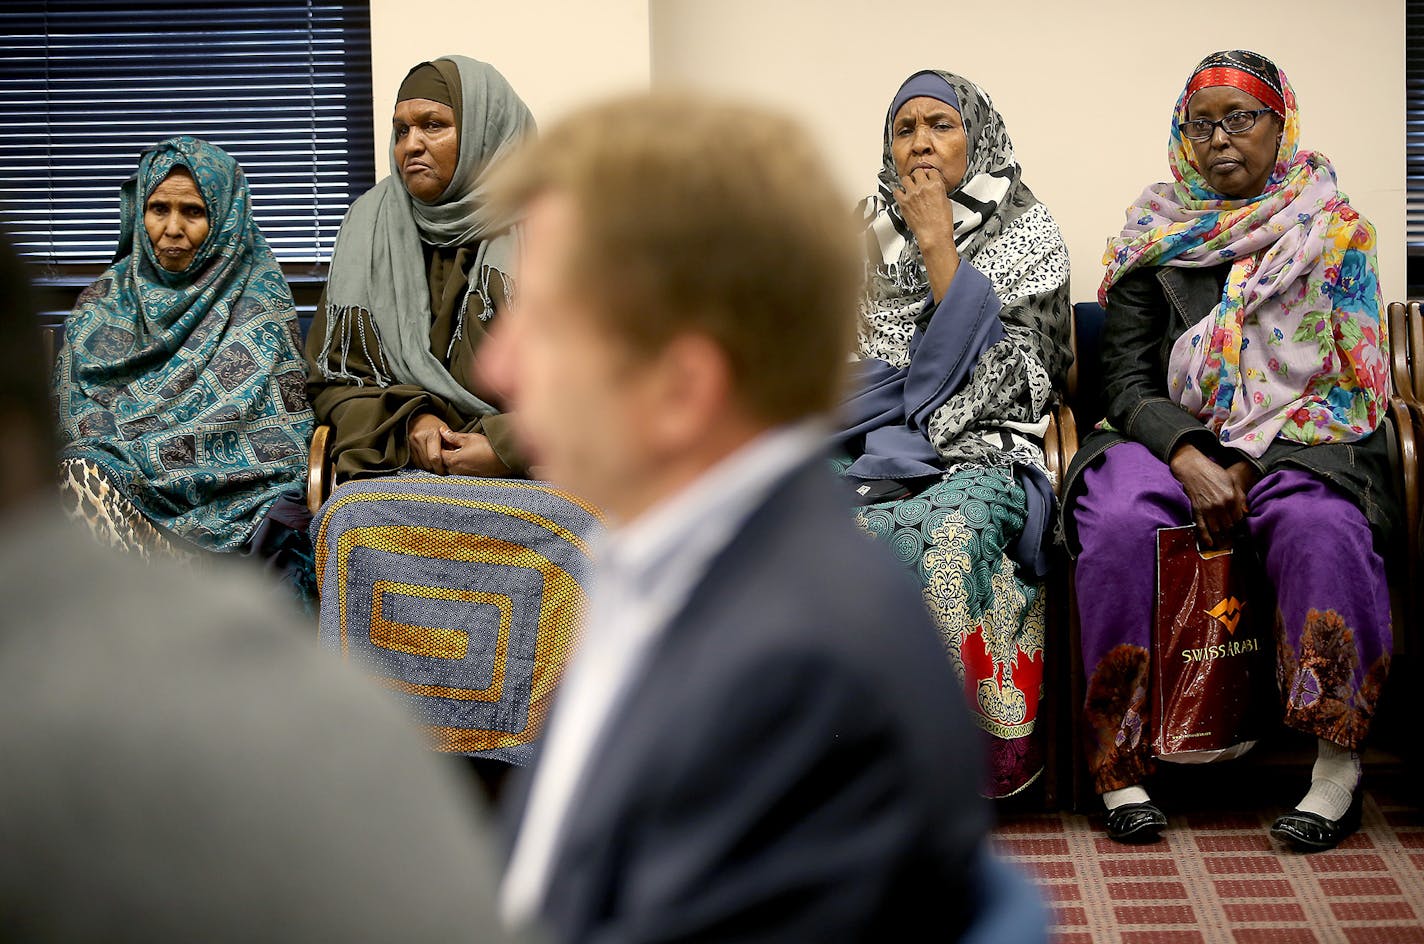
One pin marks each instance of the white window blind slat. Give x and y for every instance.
(1414, 128)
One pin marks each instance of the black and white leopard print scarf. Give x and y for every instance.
(1002, 230)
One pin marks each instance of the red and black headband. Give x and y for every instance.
(1241, 69)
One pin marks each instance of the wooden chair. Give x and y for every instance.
(1404, 427)
(1396, 322)
(1406, 339)
(1415, 324)
(319, 469)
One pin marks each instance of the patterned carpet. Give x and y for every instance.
(1218, 877)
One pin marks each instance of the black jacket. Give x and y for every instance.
(1146, 312)
(793, 761)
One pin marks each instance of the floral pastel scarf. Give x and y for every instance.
(1294, 350)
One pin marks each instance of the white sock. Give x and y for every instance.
(1116, 798)
(1333, 780)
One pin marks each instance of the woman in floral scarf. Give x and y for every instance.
(1245, 374)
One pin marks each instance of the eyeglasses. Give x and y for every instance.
(1238, 122)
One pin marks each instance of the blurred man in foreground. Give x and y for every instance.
(759, 737)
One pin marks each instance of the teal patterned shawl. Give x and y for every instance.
(188, 388)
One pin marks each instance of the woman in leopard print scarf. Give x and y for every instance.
(964, 334)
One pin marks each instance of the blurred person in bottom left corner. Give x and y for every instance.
(179, 763)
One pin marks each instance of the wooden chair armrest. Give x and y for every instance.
(319, 469)
(1407, 420)
(1408, 428)
(49, 338)
(1067, 434)
(1414, 318)
(1396, 318)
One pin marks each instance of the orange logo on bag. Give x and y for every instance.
(1227, 613)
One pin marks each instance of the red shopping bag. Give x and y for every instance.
(1210, 661)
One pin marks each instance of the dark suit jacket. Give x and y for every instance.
(794, 761)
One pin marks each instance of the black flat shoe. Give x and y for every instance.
(1136, 823)
(1310, 832)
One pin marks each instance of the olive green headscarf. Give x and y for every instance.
(378, 265)
(428, 81)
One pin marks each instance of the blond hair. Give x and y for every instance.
(708, 218)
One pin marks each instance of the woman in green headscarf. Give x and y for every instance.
(453, 582)
(419, 270)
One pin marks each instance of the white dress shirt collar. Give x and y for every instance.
(704, 515)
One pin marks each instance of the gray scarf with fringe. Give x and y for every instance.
(378, 265)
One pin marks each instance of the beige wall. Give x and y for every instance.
(556, 53)
(1086, 88)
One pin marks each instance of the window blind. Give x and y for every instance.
(85, 87)
(1414, 126)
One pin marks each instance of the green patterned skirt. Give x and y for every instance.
(955, 535)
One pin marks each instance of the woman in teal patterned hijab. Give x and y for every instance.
(180, 390)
